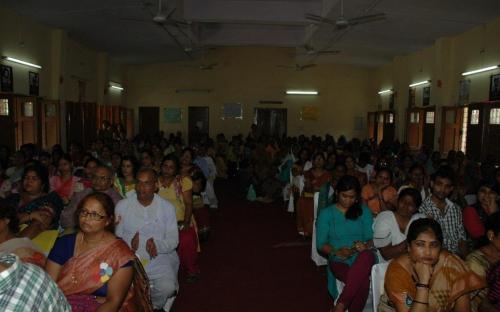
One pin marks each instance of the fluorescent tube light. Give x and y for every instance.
(8, 58)
(300, 92)
(116, 88)
(419, 83)
(385, 91)
(472, 72)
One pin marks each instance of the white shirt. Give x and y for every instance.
(157, 221)
(386, 230)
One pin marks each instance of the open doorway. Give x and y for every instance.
(149, 120)
(198, 127)
(270, 121)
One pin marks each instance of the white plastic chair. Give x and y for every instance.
(377, 282)
(315, 256)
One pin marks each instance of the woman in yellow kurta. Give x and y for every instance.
(178, 191)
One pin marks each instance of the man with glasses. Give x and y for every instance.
(148, 224)
(102, 181)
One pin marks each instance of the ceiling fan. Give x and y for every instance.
(342, 22)
(308, 50)
(160, 17)
(297, 67)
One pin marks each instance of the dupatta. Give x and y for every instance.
(82, 275)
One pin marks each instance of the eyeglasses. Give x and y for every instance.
(91, 215)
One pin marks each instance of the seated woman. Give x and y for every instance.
(391, 227)
(200, 210)
(64, 183)
(474, 217)
(481, 260)
(417, 179)
(428, 278)
(350, 163)
(93, 268)
(344, 234)
(380, 195)
(36, 207)
(9, 243)
(126, 176)
(314, 180)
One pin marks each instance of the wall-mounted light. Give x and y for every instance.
(115, 86)
(415, 84)
(477, 71)
(11, 59)
(385, 91)
(301, 92)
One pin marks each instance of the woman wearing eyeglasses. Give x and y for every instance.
(93, 267)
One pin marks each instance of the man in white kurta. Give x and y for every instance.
(147, 223)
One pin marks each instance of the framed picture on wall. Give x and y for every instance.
(426, 96)
(463, 92)
(34, 83)
(495, 87)
(7, 79)
(411, 97)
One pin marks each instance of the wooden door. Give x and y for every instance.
(198, 126)
(7, 122)
(90, 122)
(26, 119)
(475, 122)
(130, 123)
(389, 126)
(491, 138)
(379, 127)
(371, 118)
(429, 127)
(415, 121)
(271, 121)
(451, 128)
(149, 120)
(75, 129)
(49, 120)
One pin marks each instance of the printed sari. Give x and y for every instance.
(451, 280)
(25, 250)
(84, 274)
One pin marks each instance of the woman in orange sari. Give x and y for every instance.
(428, 278)
(93, 267)
(65, 183)
(314, 179)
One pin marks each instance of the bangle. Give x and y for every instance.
(415, 301)
(422, 285)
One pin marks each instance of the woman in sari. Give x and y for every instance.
(10, 243)
(65, 183)
(380, 195)
(178, 190)
(344, 234)
(314, 180)
(93, 268)
(483, 259)
(350, 163)
(36, 207)
(428, 278)
(188, 168)
(126, 176)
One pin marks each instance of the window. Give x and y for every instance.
(474, 117)
(51, 110)
(380, 118)
(28, 109)
(429, 117)
(463, 144)
(495, 116)
(4, 107)
(390, 118)
(414, 117)
(232, 111)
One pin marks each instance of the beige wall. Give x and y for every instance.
(247, 75)
(444, 61)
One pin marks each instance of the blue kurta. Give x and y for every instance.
(333, 228)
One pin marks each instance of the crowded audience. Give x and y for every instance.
(131, 217)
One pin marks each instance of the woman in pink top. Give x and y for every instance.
(65, 183)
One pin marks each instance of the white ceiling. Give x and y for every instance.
(410, 25)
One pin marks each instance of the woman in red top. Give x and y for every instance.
(474, 217)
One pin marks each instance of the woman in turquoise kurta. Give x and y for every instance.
(344, 234)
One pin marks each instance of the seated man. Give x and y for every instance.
(26, 287)
(102, 181)
(148, 224)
